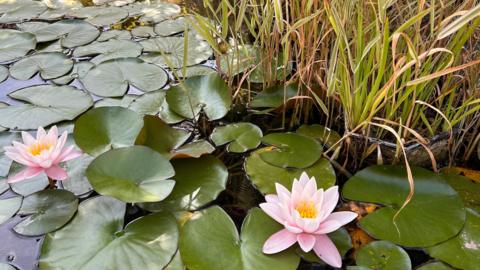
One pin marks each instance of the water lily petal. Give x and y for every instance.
(27, 173)
(279, 241)
(274, 211)
(306, 241)
(330, 200)
(68, 154)
(292, 229)
(272, 198)
(41, 133)
(342, 217)
(27, 138)
(56, 173)
(327, 251)
(304, 179)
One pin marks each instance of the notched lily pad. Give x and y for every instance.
(8, 208)
(108, 50)
(3, 73)
(194, 149)
(50, 65)
(154, 103)
(15, 44)
(274, 97)
(240, 137)
(383, 255)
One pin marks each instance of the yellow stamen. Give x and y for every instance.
(38, 147)
(307, 210)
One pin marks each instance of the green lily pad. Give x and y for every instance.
(264, 176)
(154, 103)
(213, 232)
(3, 73)
(114, 34)
(434, 205)
(383, 255)
(15, 44)
(101, 16)
(77, 182)
(4, 186)
(8, 208)
(435, 266)
(468, 190)
(291, 150)
(194, 149)
(132, 174)
(48, 104)
(143, 31)
(156, 11)
(28, 186)
(108, 50)
(321, 133)
(161, 137)
(78, 71)
(96, 239)
(172, 27)
(6, 139)
(4, 266)
(50, 65)
(198, 70)
(104, 128)
(462, 251)
(170, 51)
(124, 101)
(198, 181)
(114, 77)
(71, 33)
(240, 137)
(207, 93)
(52, 46)
(22, 12)
(176, 263)
(48, 211)
(274, 97)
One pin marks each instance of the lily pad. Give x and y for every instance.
(79, 71)
(4, 266)
(194, 149)
(124, 101)
(213, 232)
(462, 251)
(434, 205)
(240, 137)
(3, 73)
(383, 255)
(48, 211)
(8, 208)
(28, 186)
(104, 128)
(207, 93)
(156, 11)
(108, 50)
(22, 12)
(170, 51)
(48, 104)
(77, 182)
(96, 239)
(172, 27)
(274, 97)
(6, 139)
(114, 77)
(132, 174)
(197, 70)
(435, 266)
(143, 31)
(198, 181)
(154, 103)
(291, 150)
(161, 137)
(15, 44)
(468, 190)
(321, 133)
(50, 65)
(115, 34)
(101, 16)
(4, 186)
(71, 33)
(264, 175)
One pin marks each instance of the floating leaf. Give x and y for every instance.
(3, 73)
(193, 149)
(321, 133)
(213, 232)
(462, 251)
(6, 139)
(172, 27)
(8, 208)
(468, 190)
(77, 182)
(101, 16)
(176, 263)
(96, 239)
(124, 101)
(161, 137)
(104, 128)
(156, 11)
(132, 174)
(197, 70)
(4, 186)
(198, 181)
(290, 150)
(22, 12)
(4, 266)
(240, 136)
(435, 266)
(79, 71)
(434, 204)
(48, 211)
(50, 65)
(49, 104)
(143, 31)
(15, 44)
(274, 97)
(208, 93)
(114, 34)
(264, 176)
(383, 255)
(170, 51)
(473, 175)
(108, 50)
(154, 103)
(72, 33)
(114, 77)
(28, 186)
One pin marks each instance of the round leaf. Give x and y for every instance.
(77, 182)
(208, 93)
(198, 181)
(15, 44)
(108, 50)
(321, 133)
(154, 103)
(132, 174)
(383, 255)
(291, 150)
(49, 104)
(28, 186)
(240, 136)
(172, 27)
(50, 65)
(468, 190)
(434, 205)
(274, 96)
(49, 210)
(8, 208)
(264, 176)
(197, 70)
(193, 149)
(95, 239)
(213, 232)
(3, 73)
(104, 128)
(113, 78)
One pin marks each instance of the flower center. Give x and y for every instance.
(306, 210)
(38, 147)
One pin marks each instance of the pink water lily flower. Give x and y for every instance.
(306, 214)
(41, 154)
